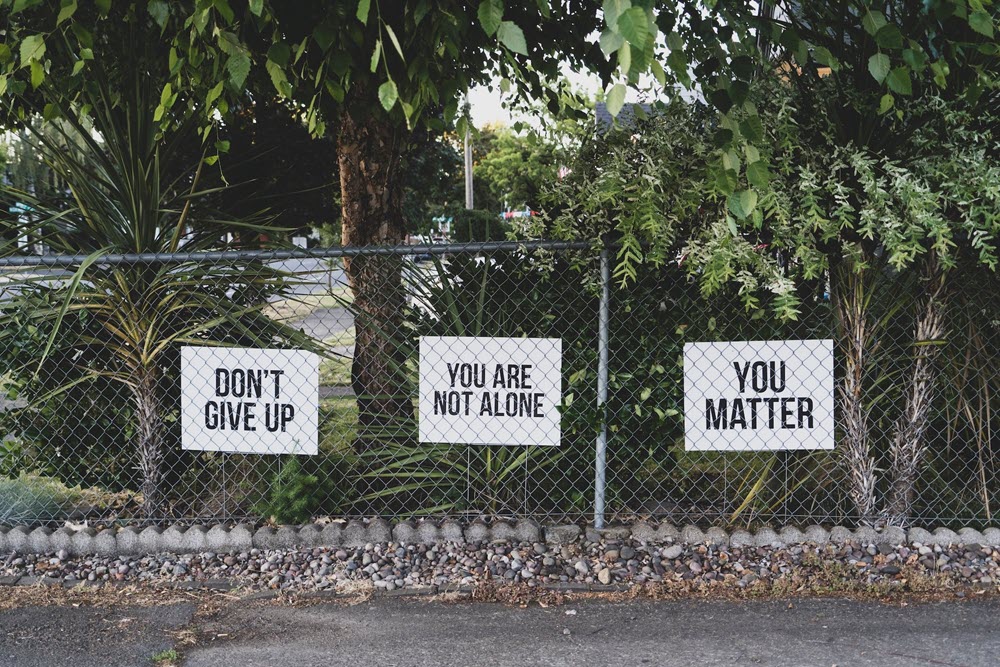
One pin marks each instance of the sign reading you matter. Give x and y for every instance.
(758, 396)
(249, 400)
(490, 391)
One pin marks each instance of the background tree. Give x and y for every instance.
(373, 71)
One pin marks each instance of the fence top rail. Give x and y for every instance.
(296, 253)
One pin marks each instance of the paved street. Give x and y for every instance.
(417, 632)
(65, 636)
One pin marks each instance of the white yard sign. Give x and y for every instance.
(490, 391)
(758, 396)
(249, 400)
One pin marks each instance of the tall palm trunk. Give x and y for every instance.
(908, 442)
(850, 292)
(149, 422)
(369, 151)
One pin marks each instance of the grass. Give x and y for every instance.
(336, 371)
(296, 308)
(338, 422)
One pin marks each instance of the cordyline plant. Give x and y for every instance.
(126, 188)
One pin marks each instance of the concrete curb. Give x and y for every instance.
(181, 539)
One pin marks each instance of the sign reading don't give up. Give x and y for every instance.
(758, 395)
(249, 400)
(490, 391)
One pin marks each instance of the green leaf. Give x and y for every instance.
(730, 160)
(758, 175)
(824, 57)
(364, 8)
(256, 7)
(878, 66)
(222, 6)
(873, 22)
(726, 180)
(32, 49)
(512, 37)
(941, 70)
(66, 10)
(742, 203)
(37, 74)
(982, 23)
(167, 92)
(752, 128)
(886, 103)
(733, 229)
(490, 15)
(611, 41)
(160, 11)
(889, 37)
(915, 58)
(238, 67)
(899, 81)
(103, 6)
(387, 94)
(613, 9)
(395, 42)
(213, 94)
(376, 55)
(21, 5)
(677, 61)
(279, 54)
(634, 26)
(615, 99)
(278, 78)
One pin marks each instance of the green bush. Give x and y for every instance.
(31, 498)
(304, 488)
(475, 226)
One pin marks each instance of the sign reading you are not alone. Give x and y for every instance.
(758, 395)
(490, 391)
(249, 400)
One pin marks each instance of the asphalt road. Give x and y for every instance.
(416, 632)
(814, 632)
(88, 636)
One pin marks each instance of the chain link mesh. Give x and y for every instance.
(92, 425)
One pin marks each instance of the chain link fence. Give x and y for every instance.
(97, 422)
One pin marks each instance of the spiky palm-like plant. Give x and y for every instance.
(128, 188)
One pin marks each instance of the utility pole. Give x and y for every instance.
(468, 169)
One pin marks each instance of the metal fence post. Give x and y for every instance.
(602, 389)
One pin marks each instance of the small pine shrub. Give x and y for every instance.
(300, 491)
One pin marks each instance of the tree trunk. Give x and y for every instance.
(369, 152)
(149, 420)
(908, 442)
(851, 295)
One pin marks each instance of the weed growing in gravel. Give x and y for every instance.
(166, 658)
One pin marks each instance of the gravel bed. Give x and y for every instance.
(394, 566)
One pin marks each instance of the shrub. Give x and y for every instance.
(304, 488)
(475, 226)
(30, 498)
